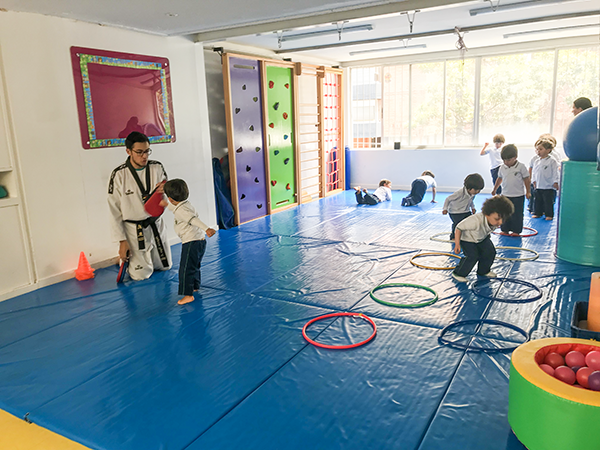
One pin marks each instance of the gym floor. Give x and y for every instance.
(123, 367)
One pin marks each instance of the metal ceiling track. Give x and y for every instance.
(444, 32)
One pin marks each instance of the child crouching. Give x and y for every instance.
(472, 235)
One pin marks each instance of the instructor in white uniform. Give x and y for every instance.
(142, 236)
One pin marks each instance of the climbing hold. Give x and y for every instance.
(248, 168)
(276, 152)
(237, 110)
(286, 160)
(287, 187)
(276, 106)
(271, 84)
(255, 99)
(287, 85)
(257, 149)
(244, 87)
(285, 116)
(273, 182)
(239, 150)
(272, 125)
(285, 136)
(256, 180)
(259, 205)
(251, 128)
(243, 197)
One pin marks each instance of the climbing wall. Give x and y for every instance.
(280, 136)
(246, 146)
(332, 131)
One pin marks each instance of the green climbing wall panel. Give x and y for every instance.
(280, 123)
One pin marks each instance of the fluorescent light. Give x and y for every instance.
(511, 6)
(294, 37)
(548, 30)
(407, 47)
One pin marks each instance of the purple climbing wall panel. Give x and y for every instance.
(246, 110)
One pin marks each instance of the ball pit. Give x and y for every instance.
(540, 404)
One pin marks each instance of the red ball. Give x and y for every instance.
(548, 369)
(565, 374)
(582, 376)
(575, 358)
(554, 360)
(594, 381)
(592, 360)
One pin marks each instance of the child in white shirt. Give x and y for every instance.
(460, 204)
(545, 175)
(495, 159)
(191, 231)
(419, 187)
(382, 193)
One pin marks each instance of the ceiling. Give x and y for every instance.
(264, 23)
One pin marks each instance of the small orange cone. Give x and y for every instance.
(84, 270)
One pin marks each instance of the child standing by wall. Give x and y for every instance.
(495, 159)
(545, 175)
(382, 193)
(418, 189)
(473, 238)
(460, 204)
(515, 180)
(191, 231)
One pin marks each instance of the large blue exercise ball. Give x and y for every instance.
(581, 138)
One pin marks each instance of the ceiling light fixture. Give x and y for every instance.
(312, 34)
(549, 30)
(511, 6)
(407, 47)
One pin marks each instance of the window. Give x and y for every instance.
(466, 102)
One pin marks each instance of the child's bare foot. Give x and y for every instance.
(365, 190)
(535, 217)
(357, 188)
(549, 218)
(186, 299)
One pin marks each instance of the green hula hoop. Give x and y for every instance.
(529, 258)
(404, 305)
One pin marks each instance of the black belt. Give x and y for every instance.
(139, 229)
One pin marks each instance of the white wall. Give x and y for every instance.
(65, 186)
(450, 166)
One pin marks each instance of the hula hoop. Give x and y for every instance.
(435, 238)
(502, 233)
(476, 290)
(339, 347)
(433, 254)
(531, 258)
(452, 344)
(404, 305)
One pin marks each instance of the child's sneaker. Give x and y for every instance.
(459, 278)
(490, 274)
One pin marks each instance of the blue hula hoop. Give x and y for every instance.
(477, 291)
(456, 345)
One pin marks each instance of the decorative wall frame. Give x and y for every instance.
(118, 93)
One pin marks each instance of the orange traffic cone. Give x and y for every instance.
(84, 270)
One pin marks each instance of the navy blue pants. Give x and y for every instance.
(417, 192)
(544, 202)
(456, 219)
(482, 252)
(367, 199)
(494, 173)
(189, 267)
(515, 222)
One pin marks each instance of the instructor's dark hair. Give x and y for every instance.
(177, 190)
(498, 204)
(134, 137)
(474, 181)
(583, 103)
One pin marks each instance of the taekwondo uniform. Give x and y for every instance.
(128, 190)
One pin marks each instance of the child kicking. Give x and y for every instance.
(472, 236)
(460, 204)
(190, 230)
(382, 193)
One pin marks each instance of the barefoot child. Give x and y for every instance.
(191, 231)
(472, 236)
(382, 193)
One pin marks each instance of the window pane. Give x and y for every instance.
(427, 104)
(366, 107)
(395, 105)
(578, 76)
(516, 96)
(460, 97)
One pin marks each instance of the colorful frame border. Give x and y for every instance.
(81, 57)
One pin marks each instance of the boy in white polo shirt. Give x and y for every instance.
(472, 236)
(382, 193)
(545, 175)
(516, 185)
(191, 231)
(460, 204)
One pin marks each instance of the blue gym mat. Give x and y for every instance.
(123, 367)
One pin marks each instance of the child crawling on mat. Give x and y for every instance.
(419, 187)
(382, 193)
(190, 230)
(472, 236)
